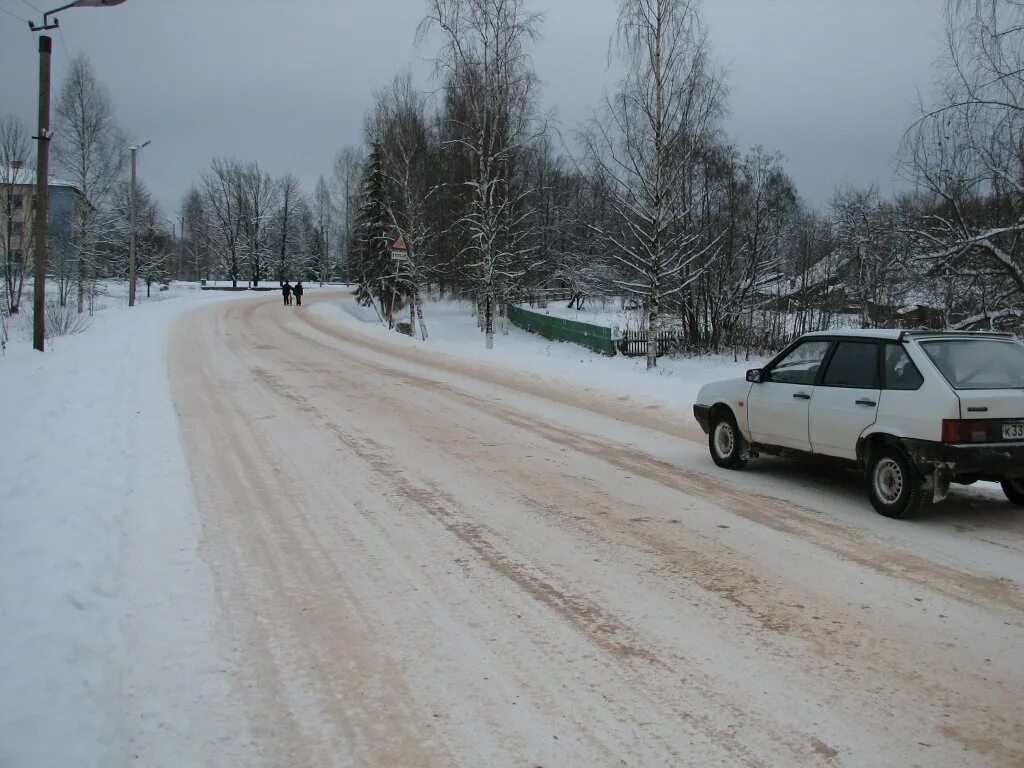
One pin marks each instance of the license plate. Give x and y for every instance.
(1013, 431)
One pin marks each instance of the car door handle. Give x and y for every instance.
(801, 396)
(869, 403)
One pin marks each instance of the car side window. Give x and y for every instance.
(801, 365)
(899, 370)
(854, 364)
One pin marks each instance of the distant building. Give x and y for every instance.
(17, 201)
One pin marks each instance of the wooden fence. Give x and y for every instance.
(634, 343)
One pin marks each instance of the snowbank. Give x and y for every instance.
(453, 331)
(105, 605)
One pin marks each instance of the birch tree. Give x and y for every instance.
(484, 59)
(647, 145)
(91, 152)
(402, 130)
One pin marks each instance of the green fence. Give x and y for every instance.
(595, 337)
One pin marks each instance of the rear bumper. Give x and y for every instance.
(702, 413)
(992, 461)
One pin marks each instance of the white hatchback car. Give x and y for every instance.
(916, 410)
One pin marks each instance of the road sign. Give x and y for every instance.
(400, 249)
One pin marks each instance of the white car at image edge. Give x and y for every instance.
(915, 410)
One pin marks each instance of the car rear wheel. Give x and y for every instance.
(893, 485)
(1014, 490)
(726, 442)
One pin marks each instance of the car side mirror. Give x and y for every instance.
(755, 376)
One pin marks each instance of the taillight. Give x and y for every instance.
(970, 431)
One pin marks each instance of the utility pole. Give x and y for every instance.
(42, 209)
(131, 224)
(41, 224)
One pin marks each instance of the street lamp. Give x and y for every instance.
(42, 210)
(131, 236)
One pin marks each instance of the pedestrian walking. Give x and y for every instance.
(298, 290)
(286, 292)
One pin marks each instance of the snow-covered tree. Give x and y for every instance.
(485, 60)
(225, 206)
(967, 151)
(261, 197)
(647, 146)
(90, 150)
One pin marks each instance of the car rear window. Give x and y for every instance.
(978, 363)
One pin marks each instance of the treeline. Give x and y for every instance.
(647, 203)
(655, 204)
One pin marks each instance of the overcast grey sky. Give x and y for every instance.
(829, 83)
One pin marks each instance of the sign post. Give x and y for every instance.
(400, 255)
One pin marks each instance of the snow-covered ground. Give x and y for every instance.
(101, 588)
(481, 558)
(453, 331)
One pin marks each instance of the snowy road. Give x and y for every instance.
(420, 562)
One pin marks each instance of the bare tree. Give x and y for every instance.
(261, 197)
(967, 151)
(401, 128)
(225, 206)
(346, 184)
(153, 244)
(195, 234)
(647, 146)
(287, 234)
(16, 240)
(91, 152)
(323, 224)
(487, 68)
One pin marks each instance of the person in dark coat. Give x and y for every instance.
(286, 291)
(298, 290)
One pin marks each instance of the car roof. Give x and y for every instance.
(895, 334)
(862, 333)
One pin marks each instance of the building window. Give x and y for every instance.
(17, 202)
(17, 258)
(17, 228)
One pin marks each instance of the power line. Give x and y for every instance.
(14, 15)
(26, 2)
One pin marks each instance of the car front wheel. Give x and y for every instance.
(1014, 490)
(894, 486)
(726, 442)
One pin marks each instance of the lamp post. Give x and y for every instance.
(42, 209)
(131, 235)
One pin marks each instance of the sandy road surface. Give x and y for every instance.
(423, 563)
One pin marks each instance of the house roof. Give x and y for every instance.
(27, 177)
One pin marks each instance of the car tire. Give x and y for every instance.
(725, 441)
(1014, 490)
(894, 485)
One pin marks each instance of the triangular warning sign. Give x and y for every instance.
(400, 244)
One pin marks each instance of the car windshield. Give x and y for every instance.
(978, 363)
